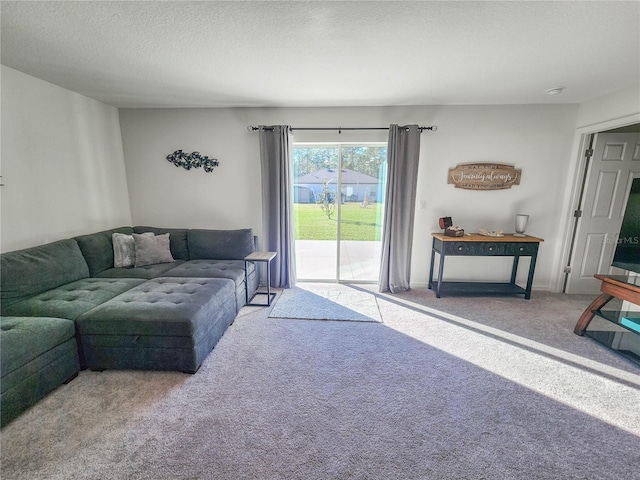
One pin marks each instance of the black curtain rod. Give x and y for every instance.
(251, 128)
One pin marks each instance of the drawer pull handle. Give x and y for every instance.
(459, 249)
(491, 249)
(522, 249)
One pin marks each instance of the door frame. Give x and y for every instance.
(573, 196)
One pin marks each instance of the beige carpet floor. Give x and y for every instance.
(444, 388)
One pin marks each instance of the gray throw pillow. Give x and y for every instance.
(124, 249)
(152, 249)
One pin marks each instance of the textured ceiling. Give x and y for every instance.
(322, 53)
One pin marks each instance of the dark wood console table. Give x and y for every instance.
(484, 246)
(621, 329)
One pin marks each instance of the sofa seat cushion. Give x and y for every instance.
(73, 299)
(147, 272)
(31, 271)
(172, 307)
(231, 269)
(23, 339)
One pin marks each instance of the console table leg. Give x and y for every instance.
(587, 315)
(433, 254)
(532, 269)
(246, 283)
(514, 269)
(269, 283)
(440, 270)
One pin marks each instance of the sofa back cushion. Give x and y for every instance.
(177, 240)
(220, 244)
(97, 249)
(31, 271)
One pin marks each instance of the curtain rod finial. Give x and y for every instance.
(250, 128)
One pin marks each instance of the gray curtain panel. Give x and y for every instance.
(277, 202)
(403, 154)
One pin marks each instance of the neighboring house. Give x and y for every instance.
(356, 186)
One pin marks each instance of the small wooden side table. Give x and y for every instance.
(264, 257)
(613, 286)
(625, 336)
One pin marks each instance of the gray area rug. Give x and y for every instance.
(326, 302)
(443, 389)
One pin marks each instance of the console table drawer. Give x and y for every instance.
(458, 248)
(521, 248)
(489, 248)
(473, 248)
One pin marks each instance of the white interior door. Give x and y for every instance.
(614, 164)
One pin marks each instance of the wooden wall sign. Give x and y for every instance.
(484, 176)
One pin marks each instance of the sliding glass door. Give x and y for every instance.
(360, 227)
(338, 204)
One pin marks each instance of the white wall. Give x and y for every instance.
(164, 195)
(615, 108)
(62, 164)
(535, 138)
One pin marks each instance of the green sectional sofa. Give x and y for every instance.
(166, 311)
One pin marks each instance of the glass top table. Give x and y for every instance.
(617, 329)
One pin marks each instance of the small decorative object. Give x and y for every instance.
(521, 225)
(484, 176)
(445, 222)
(450, 230)
(192, 160)
(491, 233)
(454, 231)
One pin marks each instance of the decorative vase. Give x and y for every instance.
(521, 225)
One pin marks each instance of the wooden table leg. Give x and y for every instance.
(587, 315)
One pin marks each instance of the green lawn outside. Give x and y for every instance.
(311, 223)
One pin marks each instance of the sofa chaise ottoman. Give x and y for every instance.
(165, 323)
(37, 355)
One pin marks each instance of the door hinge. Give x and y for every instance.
(588, 152)
(567, 269)
(577, 213)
